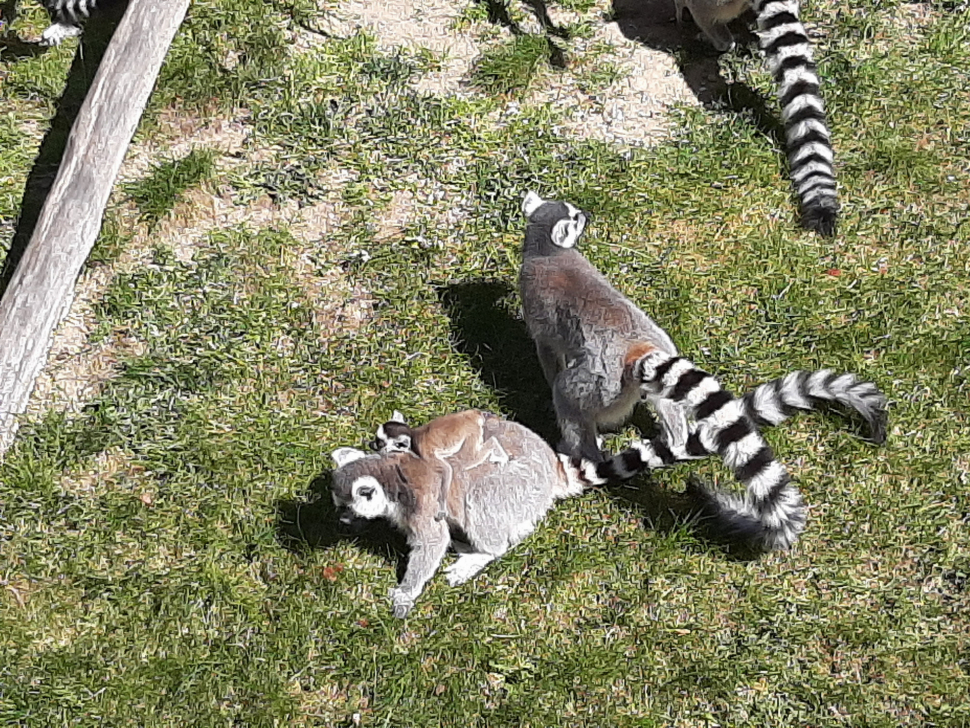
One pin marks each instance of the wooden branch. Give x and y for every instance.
(42, 287)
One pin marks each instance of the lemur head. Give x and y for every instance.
(563, 222)
(393, 436)
(370, 486)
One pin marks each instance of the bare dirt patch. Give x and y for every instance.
(77, 369)
(631, 110)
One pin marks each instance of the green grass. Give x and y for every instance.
(510, 68)
(162, 558)
(158, 192)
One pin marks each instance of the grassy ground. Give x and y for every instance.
(162, 558)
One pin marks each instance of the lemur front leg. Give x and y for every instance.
(429, 543)
(550, 362)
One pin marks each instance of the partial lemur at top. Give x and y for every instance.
(789, 52)
(66, 18)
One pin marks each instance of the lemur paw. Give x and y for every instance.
(58, 32)
(403, 602)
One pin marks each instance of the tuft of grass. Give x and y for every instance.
(509, 68)
(110, 244)
(159, 191)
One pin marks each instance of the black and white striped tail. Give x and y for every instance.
(69, 12)
(774, 402)
(771, 514)
(810, 157)
(643, 455)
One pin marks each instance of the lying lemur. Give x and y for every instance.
(494, 480)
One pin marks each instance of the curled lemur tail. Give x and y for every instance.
(774, 402)
(789, 53)
(771, 514)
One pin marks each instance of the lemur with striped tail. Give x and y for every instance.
(601, 355)
(66, 16)
(789, 52)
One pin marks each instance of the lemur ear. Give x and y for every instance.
(398, 417)
(344, 455)
(531, 202)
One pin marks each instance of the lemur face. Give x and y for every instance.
(392, 436)
(364, 498)
(565, 222)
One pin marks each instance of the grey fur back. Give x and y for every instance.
(504, 504)
(583, 291)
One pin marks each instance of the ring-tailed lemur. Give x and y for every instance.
(601, 355)
(789, 52)
(459, 436)
(493, 502)
(66, 18)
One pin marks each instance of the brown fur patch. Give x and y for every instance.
(637, 351)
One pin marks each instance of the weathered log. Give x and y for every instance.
(42, 286)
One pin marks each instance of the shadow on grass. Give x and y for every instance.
(94, 41)
(14, 49)
(653, 23)
(498, 14)
(668, 511)
(311, 522)
(498, 346)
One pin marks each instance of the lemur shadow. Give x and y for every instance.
(14, 49)
(667, 511)
(311, 523)
(654, 23)
(498, 14)
(498, 345)
(92, 45)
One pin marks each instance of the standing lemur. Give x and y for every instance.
(789, 52)
(601, 355)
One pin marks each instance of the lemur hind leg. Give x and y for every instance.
(577, 423)
(467, 566)
(717, 33)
